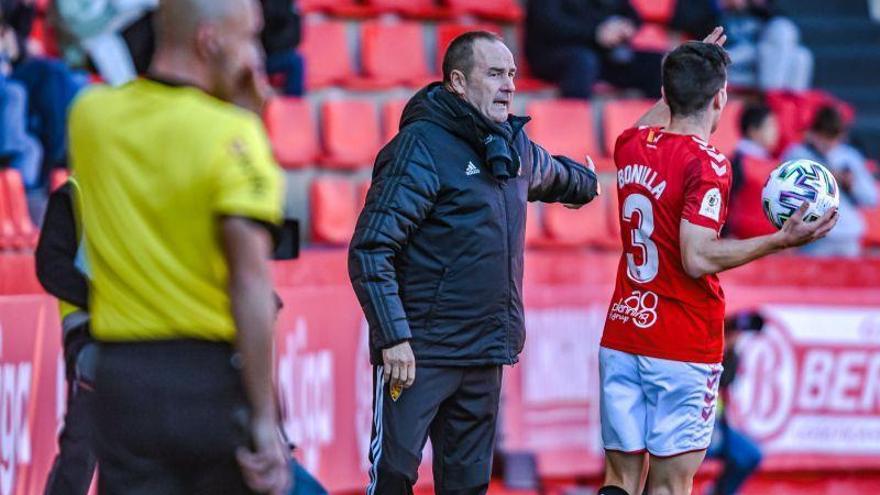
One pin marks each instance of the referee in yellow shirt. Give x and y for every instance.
(179, 186)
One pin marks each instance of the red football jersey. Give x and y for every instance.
(657, 309)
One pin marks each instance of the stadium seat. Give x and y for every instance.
(872, 224)
(350, 133)
(746, 216)
(326, 51)
(587, 226)
(292, 132)
(362, 189)
(58, 177)
(333, 204)
(620, 115)
(612, 209)
(727, 135)
(497, 10)
(534, 233)
(653, 38)
(24, 234)
(7, 227)
(392, 53)
(391, 112)
(421, 9)
(447, 32)
(341, 8)
(565, 127)
(659, 11)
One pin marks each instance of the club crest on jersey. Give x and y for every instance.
(640, 308)
(642, 175)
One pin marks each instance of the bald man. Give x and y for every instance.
(178, 190)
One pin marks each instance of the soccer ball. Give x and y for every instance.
(794, 182)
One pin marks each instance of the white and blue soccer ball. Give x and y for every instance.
(796, 181)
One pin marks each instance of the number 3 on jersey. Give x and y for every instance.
(645, 271)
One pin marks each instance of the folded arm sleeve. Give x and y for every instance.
(559, 179)
(401, 196)
(55, 256)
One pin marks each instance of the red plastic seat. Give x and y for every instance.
(612, 209)
(334, 210)
(498, 10)
(654, 10)
(422, 9)
(350, 133)
(449, 31)
(392, 53)
(872, 224)
(326, 51)
(565, 127)
(587, 226)
(727, 134)
(292, 131)
(391, 112)
(342, 8)
(24, 234)
(653, 38)
(7, 227)
(746, 216)
(619, 116)
(58, 177)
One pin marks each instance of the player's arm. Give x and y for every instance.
(658, 115)
(703, 252)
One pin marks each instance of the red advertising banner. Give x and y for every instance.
(809, 385)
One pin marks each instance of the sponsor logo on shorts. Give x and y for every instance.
(640, 307)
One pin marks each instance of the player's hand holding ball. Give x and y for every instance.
(801, 198)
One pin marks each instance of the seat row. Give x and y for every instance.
(496, 10)
(335, 203)
(17, 231)
(349, 132)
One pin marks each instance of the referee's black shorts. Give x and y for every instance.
(169, 417)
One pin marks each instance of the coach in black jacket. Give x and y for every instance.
(437, 263)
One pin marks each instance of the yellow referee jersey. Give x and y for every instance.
(158, 165)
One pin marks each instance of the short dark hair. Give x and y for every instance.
(692, 74)
(828, 122)
(460, 53)
(753, 116)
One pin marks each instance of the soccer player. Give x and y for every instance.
(662, 345)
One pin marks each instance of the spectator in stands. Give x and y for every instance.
(741, 455)
(96, 34)
(49, 85)
(18, 149)
(760, 133)
(574, 43)
(61, 270)
(280, 37)
(824, 143)
(764, 47)
(436, 263)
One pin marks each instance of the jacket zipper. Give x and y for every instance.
(503, 189)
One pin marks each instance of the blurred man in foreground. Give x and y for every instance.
(179, 186)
